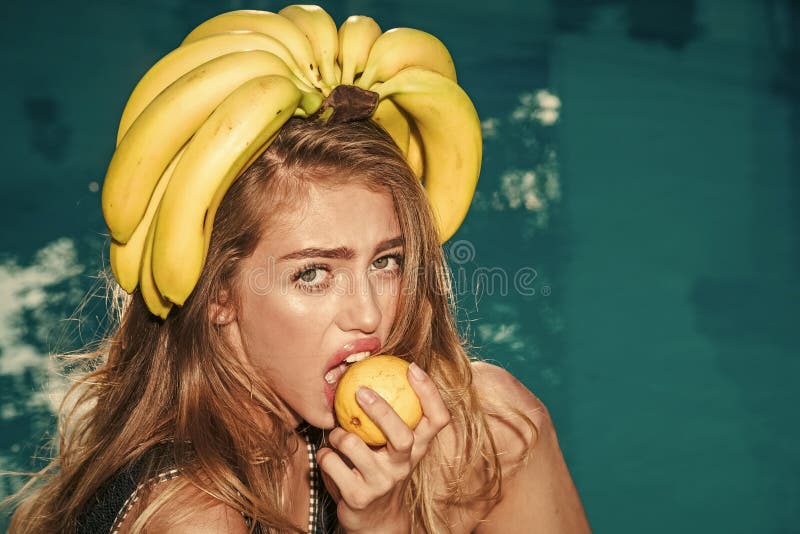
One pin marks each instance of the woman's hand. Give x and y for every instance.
(369, 483)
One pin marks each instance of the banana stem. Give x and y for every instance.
(348, 103)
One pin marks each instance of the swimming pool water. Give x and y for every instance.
(631, 254)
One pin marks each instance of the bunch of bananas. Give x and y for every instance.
(204, 112)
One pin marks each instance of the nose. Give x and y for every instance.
(360, 309)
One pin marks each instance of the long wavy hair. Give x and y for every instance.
(178, 381)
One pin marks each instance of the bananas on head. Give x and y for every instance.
(210, 107)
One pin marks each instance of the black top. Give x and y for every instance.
(105, 511)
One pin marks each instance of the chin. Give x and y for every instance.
(325, 421)
(321, 418)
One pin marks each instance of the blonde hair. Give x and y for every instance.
(178, 381)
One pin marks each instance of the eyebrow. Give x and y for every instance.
(339, 253)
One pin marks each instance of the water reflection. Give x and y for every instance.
(541, 106)
(34, 299)
(515, 228)
(531, 180)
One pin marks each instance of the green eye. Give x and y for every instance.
(383, 260)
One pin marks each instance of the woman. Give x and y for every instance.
(219, 418)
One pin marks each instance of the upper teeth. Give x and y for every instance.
(357, 357)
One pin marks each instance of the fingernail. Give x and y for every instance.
(366, 395)
(417, 371)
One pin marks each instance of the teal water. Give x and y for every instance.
(632, 252)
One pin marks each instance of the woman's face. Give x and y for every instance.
(325, 277)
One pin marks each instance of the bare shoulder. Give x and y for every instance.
(505, 398)
(187, 510)
(537, 487)
(516, 417)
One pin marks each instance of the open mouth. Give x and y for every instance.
(332, 377)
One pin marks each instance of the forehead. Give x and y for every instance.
(344, 215)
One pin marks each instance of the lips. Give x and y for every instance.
(351, 352)
(332, 376)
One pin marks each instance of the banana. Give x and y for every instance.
(267, 23)
(404, 133)
(356, 36)
(155, 301)
(400, 48)
(235, 133)
(126, 259)
(192, 55)
(320, 29)
(394, 122)
(168, 123)
(450, 131)
(415, 158)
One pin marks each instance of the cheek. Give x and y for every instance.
(279, 324)
(288, 315)
(271, 299)
(388, 296)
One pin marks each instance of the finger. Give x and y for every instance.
(329, 483)
(435, 415)
(400, 438)
(336, 471)
(357, 453)
(334, 437)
